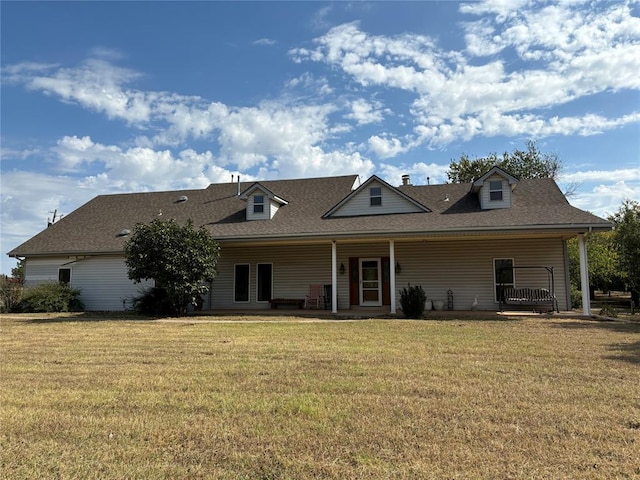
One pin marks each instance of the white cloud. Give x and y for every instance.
(364, 112)
(567, 53)
(267, 42)
(605, 199)
(420, 173)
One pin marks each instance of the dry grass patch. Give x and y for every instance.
(344, 400)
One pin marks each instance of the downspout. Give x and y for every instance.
(334, 277)
(584, 275)
(392, 275)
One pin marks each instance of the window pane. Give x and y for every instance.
(64, 275)
(495, 196)
(503, 275)
(375, 194)
(241, 291)
(264, 282)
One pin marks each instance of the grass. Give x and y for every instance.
(396, 399)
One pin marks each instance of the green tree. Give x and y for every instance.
(602, 255)
(627, 238)
(529, 163)
(18, 271)
(179, 258)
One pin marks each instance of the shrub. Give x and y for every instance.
(412, 300)
(10, 293)
(609, 311)
(576, 298)
(50, 297)
(154, 301)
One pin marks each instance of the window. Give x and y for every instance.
(495, 190)
(241, 283)
(258, 204)
(264, 282)
(375, 196)
(64, 275)
(503, 275)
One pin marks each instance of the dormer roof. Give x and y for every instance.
(403, 204)
(257, 186)
(513, 181)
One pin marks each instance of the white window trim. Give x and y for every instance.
(248, 283)
(372, 196)
(492, 190)
(70, 273)
(495, 279)
(258, 279)
(258, 204)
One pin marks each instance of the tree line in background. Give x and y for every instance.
(179, 258)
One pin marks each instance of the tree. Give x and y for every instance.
(627, 237)
(18, 271)
(179, 258)
(520, 163)
(602, 257)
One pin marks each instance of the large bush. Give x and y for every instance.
(154, 301)
(10, 293)
(412, 300)
(180, 258)
(50, 297)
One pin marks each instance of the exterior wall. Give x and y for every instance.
(359, 204)
(464, 266)
(102, 281)
(486, 202)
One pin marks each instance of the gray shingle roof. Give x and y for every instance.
(94, 227)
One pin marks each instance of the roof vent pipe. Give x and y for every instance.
(238, 185)
(406, 179)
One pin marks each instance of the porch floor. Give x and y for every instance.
(383, 313)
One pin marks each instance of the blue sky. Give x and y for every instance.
(114, 97)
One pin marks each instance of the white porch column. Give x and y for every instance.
(334, 277)
(392, 274)
(584, 275)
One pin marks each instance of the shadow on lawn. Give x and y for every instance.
(85, 317)
(628, 352)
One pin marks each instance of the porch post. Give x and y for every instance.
(584, 276)
(334, 277)
(392, 275)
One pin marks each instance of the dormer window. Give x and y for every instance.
(258, 204)
(495, 190)
(375, 196)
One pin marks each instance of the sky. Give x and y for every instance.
(115, 97)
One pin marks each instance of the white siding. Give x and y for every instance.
(485, 200)
(102, 281)
(392, 202)
(270, 208)
(257, 216)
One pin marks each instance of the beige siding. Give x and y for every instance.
(486, 202)
(392, 202)
(294, 269)
(465, 267)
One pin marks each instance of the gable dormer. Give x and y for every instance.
(262, 203)
(495, 189)
(375, 197)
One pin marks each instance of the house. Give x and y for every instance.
(366, 240)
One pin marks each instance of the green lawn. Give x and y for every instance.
(529, 398)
